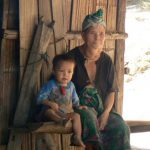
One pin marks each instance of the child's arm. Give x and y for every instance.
(51, 104)
(75, 100)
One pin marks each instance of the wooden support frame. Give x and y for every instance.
(13, 34)
(109, 35)
(138, 126)
(10, 34)
(51, 127)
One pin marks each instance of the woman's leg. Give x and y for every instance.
(116, 135)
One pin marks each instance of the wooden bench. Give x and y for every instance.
(64, 133)
(138, 126)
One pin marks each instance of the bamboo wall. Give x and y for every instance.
(19, 22)
(9, 53)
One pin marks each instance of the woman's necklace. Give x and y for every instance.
(89, 58)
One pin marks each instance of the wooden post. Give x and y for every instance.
(119, 53)
(40, 44)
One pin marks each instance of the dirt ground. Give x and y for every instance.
(137, 59)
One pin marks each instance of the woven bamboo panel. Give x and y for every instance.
(8, 68)
(28, 19)
(111, 25)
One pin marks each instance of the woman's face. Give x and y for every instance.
(94, 37)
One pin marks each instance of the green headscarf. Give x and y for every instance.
(92, 19)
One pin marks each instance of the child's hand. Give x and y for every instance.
(54, 106)
(83, 107)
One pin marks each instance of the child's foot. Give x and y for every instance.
(76, 141)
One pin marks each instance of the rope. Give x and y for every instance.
(43, 56)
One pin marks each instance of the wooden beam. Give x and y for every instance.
(44, 127)
(10, 34)
(137, 129)
(119, 55)
(139, 126)
(40, 44)
(138, 123)
(13, 34)
(109, 36)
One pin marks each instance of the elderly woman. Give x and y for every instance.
(106, 130)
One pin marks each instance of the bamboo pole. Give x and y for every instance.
(109, 36)
(119, 54)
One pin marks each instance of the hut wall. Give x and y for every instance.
(9, 54)
(23, 17)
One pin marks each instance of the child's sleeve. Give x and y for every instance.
(44, 93)
(75, 98)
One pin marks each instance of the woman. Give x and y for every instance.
(107, 131)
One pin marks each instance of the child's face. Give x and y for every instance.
(64, 72)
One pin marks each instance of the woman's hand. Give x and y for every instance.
(103, 120)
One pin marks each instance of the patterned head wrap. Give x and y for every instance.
(91, 19)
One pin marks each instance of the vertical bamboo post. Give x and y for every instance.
(119, 53)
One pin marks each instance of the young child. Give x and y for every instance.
(58, 97)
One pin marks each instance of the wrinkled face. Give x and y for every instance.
(94, 37)
(64, 72)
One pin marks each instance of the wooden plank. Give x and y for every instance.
(137, 123)
(10, 34)
(45, 12)
(138, 126)
(41, 41)
(44, 127)
(40, 44)
(137, 129)
(119, 53)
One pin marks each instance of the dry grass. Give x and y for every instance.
(143, 4)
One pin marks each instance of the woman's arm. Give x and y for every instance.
(107, 108)
(109, 102)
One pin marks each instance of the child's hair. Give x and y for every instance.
(60, 58)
